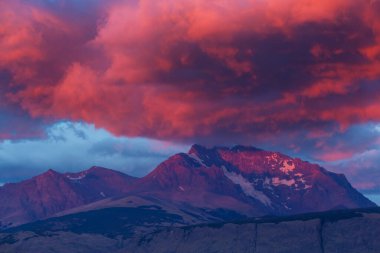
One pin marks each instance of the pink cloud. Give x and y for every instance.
(189, 70)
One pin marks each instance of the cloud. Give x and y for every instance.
(361, 169)
(294, 75)
(15, 123)
(194, 70)
(78, 146)
(354, 152)
(374, 197)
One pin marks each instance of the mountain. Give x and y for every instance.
(203, 185)
(249, 181)
(52, 192)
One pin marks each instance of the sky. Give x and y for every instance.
(126, 83)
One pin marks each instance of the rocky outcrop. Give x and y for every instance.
(338, 233)
(60, 242)
(356, 231)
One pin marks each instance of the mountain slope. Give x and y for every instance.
(251, 181)
(181, 180)
(52, 192)
(205, 184)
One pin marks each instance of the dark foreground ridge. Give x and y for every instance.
(327, 232)
(125, 230)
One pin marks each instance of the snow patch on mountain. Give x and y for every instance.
(277, 181)
(247, 187)
(197, 159)
(274, 157)
(288, 166)
(304, 182)
(267, 183)
(78, 177)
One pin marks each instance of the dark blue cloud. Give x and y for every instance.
(78, 146)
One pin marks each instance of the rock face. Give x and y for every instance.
(353, 235)
(292, 237)
(52, 192)
(250, 181)
(207, 184)
(347, 231)
(62, 242)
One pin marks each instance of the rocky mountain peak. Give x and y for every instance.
(280, 183)
(242, 180)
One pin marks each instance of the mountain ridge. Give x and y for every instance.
(244, 180)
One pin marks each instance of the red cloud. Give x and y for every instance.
(20, 42)
(198, 69)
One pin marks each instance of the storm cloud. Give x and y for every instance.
(185, 70)
(296, 75)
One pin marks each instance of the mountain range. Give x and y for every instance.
(202, 185)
